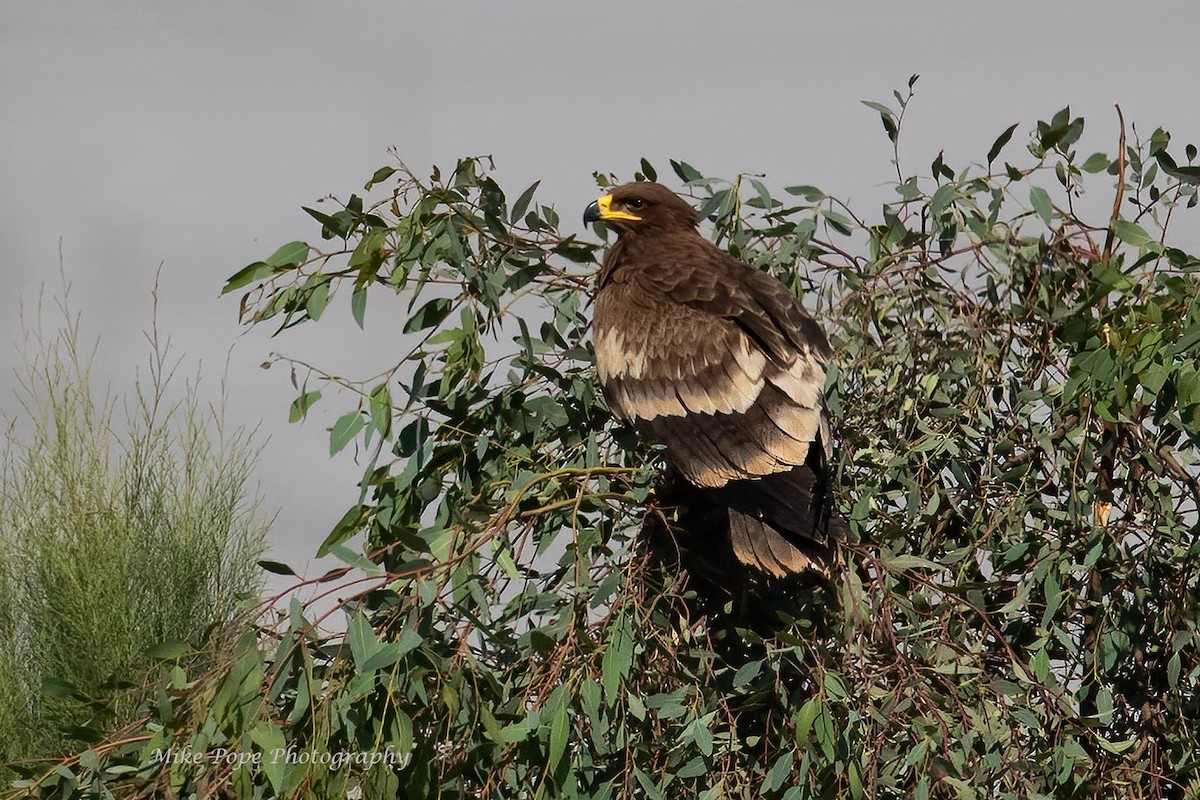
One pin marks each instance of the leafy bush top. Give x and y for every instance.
(1017, 401)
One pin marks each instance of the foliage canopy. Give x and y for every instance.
(1018, 403)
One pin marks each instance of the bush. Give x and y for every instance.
(1018, 407)
(118, 535)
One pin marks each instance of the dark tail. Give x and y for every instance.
(785, 523)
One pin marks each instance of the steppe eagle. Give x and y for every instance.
(718, 362)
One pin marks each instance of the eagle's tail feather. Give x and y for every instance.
(784, 523)
(757, 544)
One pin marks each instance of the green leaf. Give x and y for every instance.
(854, 778)
(1189, 175)
(344, 430)
(648, 171)
(1116, 747)
(362, 640)
(491, 726)
(890, 126)
(1000, 142)
(301, 405)
(804, 721)
(276, 567)
(833, 686)
(1096, 162)
(381, 409)
(317, 300)
(292, 254)
(506, 562)
(271, 742)
(648, 786)
(1131, 233)
(367, 255)
(331, 224)
(880, 107)
(1041, 665)
(780, 771)
(257, 271)
(560, 728)
(839, 222)
(380, 175)
(810, 193)
(522, 203)
(168, 651)
(356, 560)
(962, 788)
(1104, 706)
(712, 204)
(941, 200)
(358, 304)
(617, 659)
(686, 172)
(825, 732)
(764, 196)
(1040, 201)
(905, 561)
(746, 673)
(350, 523)
(388, 653)
(700, 734)
(429, 315)
(515, 732)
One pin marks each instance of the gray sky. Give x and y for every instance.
(190, 135)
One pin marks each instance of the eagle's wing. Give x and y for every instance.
(717, 361)
(757, 303)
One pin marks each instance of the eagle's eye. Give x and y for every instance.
(635, 203)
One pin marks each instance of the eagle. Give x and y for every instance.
(718, 362)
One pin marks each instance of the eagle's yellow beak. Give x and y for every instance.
(601, 211)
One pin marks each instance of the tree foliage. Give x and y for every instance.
(1018, 406)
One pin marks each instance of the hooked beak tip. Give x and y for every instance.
(591, 213)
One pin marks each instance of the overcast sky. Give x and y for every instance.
(189, 135)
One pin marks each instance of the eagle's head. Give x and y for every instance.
(642, 206)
